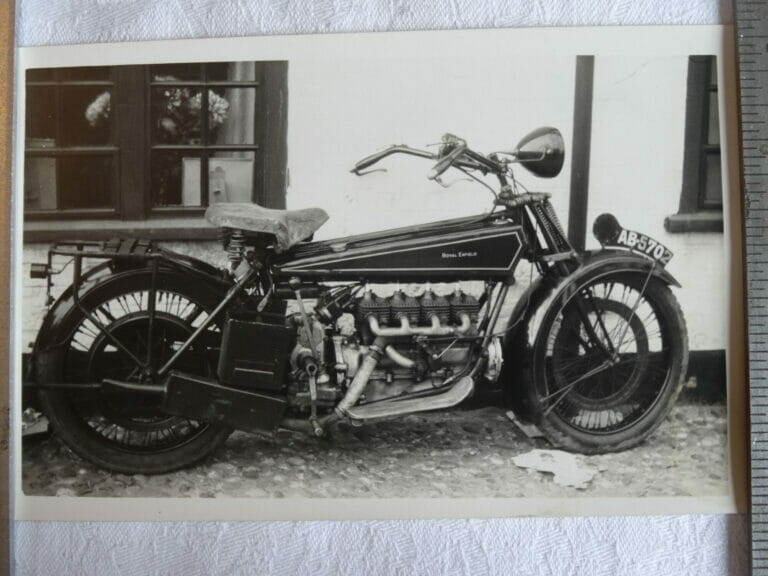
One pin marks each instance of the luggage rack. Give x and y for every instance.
(115, 249)
(116, 254)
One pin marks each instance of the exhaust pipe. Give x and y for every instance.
(357, 386)
(397, 358)
(405, 328)
(458, 392)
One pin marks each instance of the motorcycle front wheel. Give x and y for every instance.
(129, 434)
(607, 364)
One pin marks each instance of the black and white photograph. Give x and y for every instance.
(407, 265)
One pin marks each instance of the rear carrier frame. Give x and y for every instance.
(121, 254)
(134, 251)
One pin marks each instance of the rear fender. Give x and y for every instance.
(545, 291)
(58, 310)
(111, 271)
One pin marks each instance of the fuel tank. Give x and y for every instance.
(486, 246)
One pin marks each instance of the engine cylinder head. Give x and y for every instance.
(462, 303)
(372, 305)
(434, 305)
(404, 306)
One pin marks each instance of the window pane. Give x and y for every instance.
(176, 116)
(40, 75)
(86, 114)
(175, 72)
(713, 191)
(41, 116)
(231, 115)
(84, 73)
(713, 128)
(230, 177)
(231, 71)
(40, 184)
(85, 181)
(176, 178)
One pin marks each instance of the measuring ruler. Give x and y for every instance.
(752, 40)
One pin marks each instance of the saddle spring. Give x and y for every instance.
(234, 240)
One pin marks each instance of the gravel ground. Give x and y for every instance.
(462, 453)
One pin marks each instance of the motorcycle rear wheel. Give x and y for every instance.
(607, 364)
(125, 434)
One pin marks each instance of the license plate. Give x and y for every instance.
(645, 245)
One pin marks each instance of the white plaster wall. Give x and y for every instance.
(341, 111)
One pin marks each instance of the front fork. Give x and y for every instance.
(541, 219)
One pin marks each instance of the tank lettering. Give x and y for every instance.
(458, 255)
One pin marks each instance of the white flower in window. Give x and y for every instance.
(98, 111)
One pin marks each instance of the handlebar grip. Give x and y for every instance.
(367, 161)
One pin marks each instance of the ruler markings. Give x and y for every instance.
(752, 31)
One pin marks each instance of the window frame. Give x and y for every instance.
(694, 215)
(112, 149)
(204, 149)
(134, 212)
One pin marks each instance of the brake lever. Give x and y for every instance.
(446, 161)
(439, 180)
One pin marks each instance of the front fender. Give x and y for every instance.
(547, 289)
(624, 261)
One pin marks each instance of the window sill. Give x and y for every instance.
(694, 222)
(196, 229)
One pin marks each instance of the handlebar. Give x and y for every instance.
(522, 199)
(453, 152)
(369, 161)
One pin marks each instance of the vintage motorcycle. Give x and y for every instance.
(150, 358)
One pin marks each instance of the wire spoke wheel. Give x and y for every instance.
(132, 328)
(608, 363)
(136, 423)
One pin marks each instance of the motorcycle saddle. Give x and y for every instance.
(289, 227)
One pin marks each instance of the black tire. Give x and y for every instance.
(113, 433)
(584, 394)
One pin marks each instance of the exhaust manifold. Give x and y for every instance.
(435, 329)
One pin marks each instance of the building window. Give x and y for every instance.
(198, 158)
(701, 200)
(71, 161)
(160, 142)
